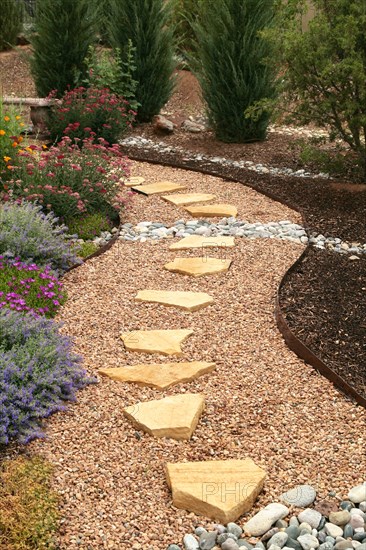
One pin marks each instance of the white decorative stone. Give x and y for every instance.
(358, 494)
(263, 520)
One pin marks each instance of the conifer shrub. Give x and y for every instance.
(11, 22)
(231, 62)
(65, 30)
(146, 24)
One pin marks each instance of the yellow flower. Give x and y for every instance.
(6, 118)
(44, 147)
(20, 139)
(14, 144)
(18, 117)
(21, 124)
(7, 159)
(10, 167)
(2, 132)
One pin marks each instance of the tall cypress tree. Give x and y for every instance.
(231, 63)
(65, 30)
(145, 23)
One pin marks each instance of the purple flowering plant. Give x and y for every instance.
(38, 373)
(29, 288)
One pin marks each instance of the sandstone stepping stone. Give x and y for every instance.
(222, 490)
(159, 187)
(188, 198)
(134, 180)
(198, 267)
(190, 301)
(166, 342)
(200, 241)
(213, 210)
(175, 416)
(160, 376)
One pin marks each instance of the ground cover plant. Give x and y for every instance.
(85, 110)
(230, 60)
(71, 181)
(38, 374)
(27, 287)
(29, 507)
(26, 232)
(89, 226)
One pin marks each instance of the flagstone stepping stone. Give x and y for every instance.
(159, 375)
(198, 267)
(159, 187)
(221, 490)
(200, 241)
(134, 180)
(166, 342)
(188, 198)
(175, 416)
(190, 301)
(213, 210)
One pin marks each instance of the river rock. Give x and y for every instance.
(310, 516)
(356, 521)
(358, 494)
(279, 539)
(263, 520)
(340, 518)
(301, 496)
(190, 543)
(333, 530)
(308, 542)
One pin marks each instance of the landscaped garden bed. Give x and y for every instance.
(215, 397)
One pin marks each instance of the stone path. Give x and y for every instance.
(196, 487)
(261, 401)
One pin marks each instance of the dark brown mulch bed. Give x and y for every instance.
(324, 299)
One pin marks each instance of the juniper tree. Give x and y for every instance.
(65, 30)
(145, 24)
(11, 21)
(230, 61)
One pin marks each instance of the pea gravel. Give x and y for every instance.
(262, 402)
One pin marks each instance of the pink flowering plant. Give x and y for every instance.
(71, 181)
(29, 288)
(84, 110)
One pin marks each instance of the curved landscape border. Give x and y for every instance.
(292, 341)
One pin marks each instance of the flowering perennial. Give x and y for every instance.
(68, 180)
(38, 373)
(84, 110)
(29, 288)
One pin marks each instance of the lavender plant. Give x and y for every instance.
(33, 236)
(38, 373)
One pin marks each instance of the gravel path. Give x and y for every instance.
(251, 206)
(262, 402)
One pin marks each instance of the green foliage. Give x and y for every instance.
(11, 21)
(184, 13)
(11, 126)
(335, 160)
(231, 62)
(146, 24)
(107, 69)
(87, 249)
(324, 69)
(65, 30)
(28, 506)
(89, 227)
